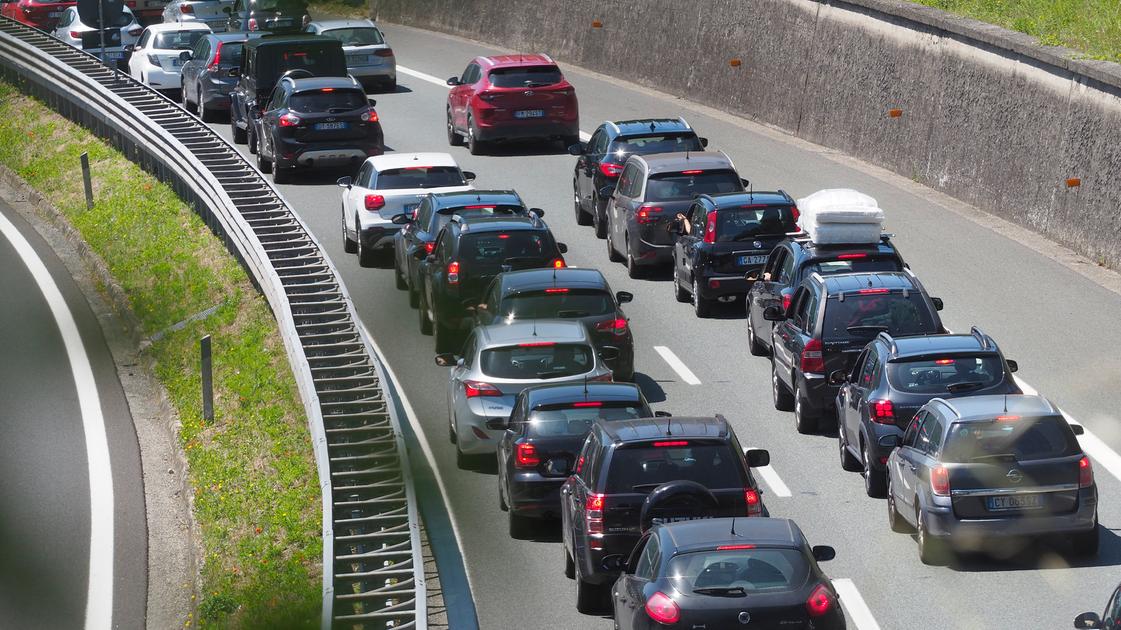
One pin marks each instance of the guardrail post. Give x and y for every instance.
(86, 180)
(207, 380)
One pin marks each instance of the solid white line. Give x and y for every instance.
(854, 604)
(682, 370)
(773, 481)
(99, 593)
(1092, 445)
(585, 136)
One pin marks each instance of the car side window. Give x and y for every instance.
(626, 180)
(698, 219)
(363, 177)
(444, 245)
(276, 101)
(774, 263)
(811, 313)
(494, 303)
(470, 74)
(930, 434)
(1113, 611)
(858, 367)
(786, 274)
(910, 437)
(423, 214)
(67, 18)
(870, 366)
(597, 143)
(468, 352)
(587, 459)
(144, 39)
(202, 50)
(648, 562)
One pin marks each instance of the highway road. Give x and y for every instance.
(73, 538)
(1058, 323)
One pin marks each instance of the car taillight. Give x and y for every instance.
(374, 202)
(154, 60)
(662, 609)
(525, 456)
(940, 481)
(786, 298)
(453, 272)
(384, 52)
(289, 120)
(558, 263)
(186, 8)
(475, 389)
(429, 246)
(1085, 473)
(616, 326)
(795, 214)
(710, 228)
(602, 378)
(812, 360)
(754, 502)
(217, 57)
(643, 216)
(75, 35)
(610, 169)
(819, 602)
(369, 116)
(593, 513)
(881, 411)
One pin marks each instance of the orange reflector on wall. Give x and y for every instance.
(597, 24)
(895, 113)
(1074, 182)
(735, 63)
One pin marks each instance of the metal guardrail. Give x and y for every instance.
(373, 576)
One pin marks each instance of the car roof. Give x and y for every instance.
(709, 533)
(498, 223)
(317, 83)
(845, 282)
(642, 429)
(532, 331)
(726, 200)
(915, 345)
(642, 126)
(163, 27)
(978, 408)
(227, 37)
(500, 197)
(681, 161)
(287, 39)
(536, 279)
(405, 160)
(332, 24)
(574, 392)
(513, 61)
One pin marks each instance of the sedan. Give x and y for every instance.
(157, 59)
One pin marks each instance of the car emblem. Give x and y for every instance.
(529, 92)
(745, 617)
(757, 245)
(331, 119)
(1015, 476)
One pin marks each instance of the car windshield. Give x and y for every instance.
(327, 101)
(684, 185)
(941, 375)
(853, 265)
(560, 421)
(760, 570)
(357, 36)
(176, 40)
(525, 76)
(1027, 439)
(643, 467)
(864, 315)
(656, 143)
(518, 249)
(419, 177)
(557, 302)
(443, 216)
(541, 360)
(318, 59)
(737, 224)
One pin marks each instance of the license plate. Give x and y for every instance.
(529, 113)
(679, 519)
(54, 15)
(359, 60)
(330, 125)
(1014, 502)
(113, 56)
(751, 260)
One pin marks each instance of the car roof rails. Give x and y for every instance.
(787, 195)
(985, 341)
(611, 123)
(684, 122)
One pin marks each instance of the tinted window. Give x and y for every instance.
(318, 59)
(648, 466)
(737, 224)
(444, 215)
(356, 36)
(830, 267)
(935, 376)
(290, 7)
(327, 101)
(569, 421)
(648, 562)
(516, 248)
(419, 177)
(1027, 439)
(682, 186)
(754, 570)
(627, 180)
(656, 143)
(230, 54)
(171, 40)
(529, 76)
(862, 316)
(532, 361)
(557, 303)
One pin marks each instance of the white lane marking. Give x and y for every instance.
(585, 136)
(682, 370)
(854, 604)
(1091, 444)
(771, 478)
(99, 592)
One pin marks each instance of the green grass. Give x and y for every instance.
(1090, 26)
(256, 498)
(356, 9)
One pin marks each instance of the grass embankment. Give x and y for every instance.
(1090, 26)
(255, 495)
(354, 9)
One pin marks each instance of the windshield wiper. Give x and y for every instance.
(869, 329)
(746, 234)
(954, 388)
(721, 591)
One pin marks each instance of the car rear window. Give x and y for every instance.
(656, 143)
(1027, 439)
(518, 249)
(419, 177)
(444, 215)
(737, 224)
(557, 302)
(863, 316)
(643, 467)
(231, 53)
(358, 36)
(176, 40)
(957, 374)
(525, 76)
(327, 101)
(858, 265)
(319, 59)
(557, 421)
(537, 360)
(760, 570)
(684, 185)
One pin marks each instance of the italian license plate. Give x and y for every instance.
(678, 519)
(113, 56)
(54, 15)
(324, 126)
(751, 260)
(529, 113)
(359, 60)
(1014, 502)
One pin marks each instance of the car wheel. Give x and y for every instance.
(932, 551)
(281, 175)
(634, 271)
(501, 497)
(183, 98)
(754, 345)
(399, 280)
(414, 297)
(454, 139)
(366, 255)
(589, 597)
(520, 526)
(894, 519)
(569, 565)
(849, 462)
(803, 420)
(390, 85)
(462, 461)
(350, 246)
(474, 145)
(875, 481)
(207, 115)
(422, 309)
(582, 217)
(263, 165)
(701, 306)
(612, 254)
(453, 437)
(679, 294)
(237, 133)
(444, 337)
(599, 217)
(1086, 544)
(783, 399)
(251, 135)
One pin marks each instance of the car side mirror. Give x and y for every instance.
(837, 377)
(704, 142)
(607, 191)
(937, 303)
(538, 211)
(1085, 620)
(498, 424)
(613, 562)
(468, 176)
(454, 81)
(752, 275)
(401, 219)
(1012, 366)
(823, 553)
(562, 248)
(746, 183)
(577, 149)
(446, 359)
(623, 297)
(663, 414)
(890, 441)
(609, 353)
(344, 182)
(757, 457)
(185, 56)
(235, 72)
(774, 314)
(129, 48)
(1078, 429)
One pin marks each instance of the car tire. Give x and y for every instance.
(251, 140)
(895, 520)
(932, 551)
(599, 218)
(849, 462)
(389, 86)
(612, 254)
(875, 481)
(239, 135)
(520, 526)
(501, 498)
(569, 564)
(634, 271)
(582, 217)
(454, 139)
(263, 164)
(452, 436)
(281, 175)
(462, 460)
(804, 422)
(589, 597)
(754, 345)
(184, 100)
(367, 257)
(398, 278)
(474, 145)
(350, 246)
(701, 306)
(414, 297)
(422, 309)
(679, 294)
(207, 115)
(1086, 544)
(783, 399)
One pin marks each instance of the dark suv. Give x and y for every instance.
(894, 376)
(276, 16)
(470, 251)
(600, 160)
(797, 257)
(828, 323)
(622, 464)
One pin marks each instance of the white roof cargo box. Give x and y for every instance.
(841, 216)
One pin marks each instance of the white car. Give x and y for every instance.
(70, 30)
(157, 59)
(368, 56)
(391, 185)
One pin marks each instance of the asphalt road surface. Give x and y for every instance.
(1060, 326)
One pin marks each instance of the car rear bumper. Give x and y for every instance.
(161, 79)
(472, 435)
(326, 154)
(820, 396)
(942, 523)
(382, 73)
(535, 496)
(719, 285)
(521, 130)
(646, 253)
(591, 559)
(379, 236)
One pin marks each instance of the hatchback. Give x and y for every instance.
(210, 73)
(274, 16)
(159, 55)
(119, 38)
(1109, 620)
(42, 14)
(369, 57)
(213, 13)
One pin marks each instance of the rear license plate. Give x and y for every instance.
(54, 15)
(678, 519)
(113, 56)
(323, 126)
(1014, 502)
(529, 113)
(359, 60)
(751, 260)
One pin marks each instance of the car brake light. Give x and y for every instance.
(812, 361)
(873, 291)
(252, 24)
(851, 256)
(587, 403)
(662, 609)
(940, 481)
(671, 444)
(734, 547)
(558, 263)
(375, 202)
(786, 299)
(75, 35)
(602, 378)
(429, 246)
(327, 89)
(644, 212)
(384, 52)
(610, 169)
(710, 228)
(289, 120)
(558, 290)
(819, 602)
(1007, 418)
(186, 8)
(217, 57)
(478, 207)
(537, 344)
(453, 272)
(1085, 473)
(881, 411)
(369, 116)
(593, 513)
(754, 502)
(944, 362)
(697, 172)
(617, 326)
(579, 464)
(526, 456)
(475, 389)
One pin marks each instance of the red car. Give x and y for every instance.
(38, 13)
(511, 97)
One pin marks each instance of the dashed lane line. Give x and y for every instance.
(678, 366)
(854, 604)
(1091, 444)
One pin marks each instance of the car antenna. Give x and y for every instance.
(585, 387)
(734, 526)
(669, 425)
(1006, 403)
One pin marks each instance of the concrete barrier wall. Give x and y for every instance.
(988, 116)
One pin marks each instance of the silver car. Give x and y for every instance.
(499, 361)
(213, 13)
(70, 29)
(368, 57)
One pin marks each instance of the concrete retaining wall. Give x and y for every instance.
(988, 116)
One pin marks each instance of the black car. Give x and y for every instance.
(793, 259)
(721, 238)
(434, 212)
(470, 251)
(623, 464)
(544, 435)
(266, 59)
(321, 122)
(209, 73)
(828, 323)
(971, 471)
(600, 160)
(1109, 620)
(725, 573)
(565, 294)
(894, 376)
(274, 16)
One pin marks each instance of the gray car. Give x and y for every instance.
(209, 73)
(368, 57)
(498, 362)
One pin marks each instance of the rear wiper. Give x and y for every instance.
(871, 329)
(746, 234)
(962, 387)
(565, 314)
(997, 456)
(723, 591)
(552, 374)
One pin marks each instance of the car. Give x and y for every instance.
(1109, 620)
(274, 16)
(158, 56)
(42, 14)
(600, 160)
(721, 238)
(388, 186)
(318, 122)
(124, 33)
(972, 471)
(434, 212)
(511, 97)
(796, 257)
(828, 323)
(213, 13)
(470, 251)
(625, 465)
(896, 375)
(542, 438)
(725, 573)
(264, 61)
(650, 194)
(569, 293)
(498, 362)
(210, 73)
(368, 57)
